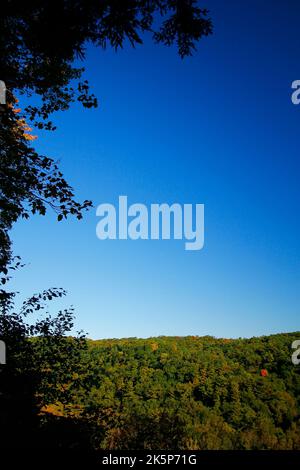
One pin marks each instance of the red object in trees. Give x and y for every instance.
(264, 372)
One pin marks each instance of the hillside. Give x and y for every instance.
(186, 393)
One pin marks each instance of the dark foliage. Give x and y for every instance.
(39, 42)
(43, 366)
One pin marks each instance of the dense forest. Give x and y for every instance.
(181, 393)
(64, 392)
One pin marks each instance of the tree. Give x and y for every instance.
(39, 42)
(44, 366)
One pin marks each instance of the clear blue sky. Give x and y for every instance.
(218, 128)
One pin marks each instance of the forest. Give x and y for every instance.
(61, 391)
(191, 393)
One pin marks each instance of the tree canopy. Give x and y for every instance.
(39, 42)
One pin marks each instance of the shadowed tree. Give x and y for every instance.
(39, 42)
(43, 366)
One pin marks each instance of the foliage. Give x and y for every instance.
(43, 365)
(39, 43)
(190, 393)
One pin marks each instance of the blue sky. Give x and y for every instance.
(218, 128)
